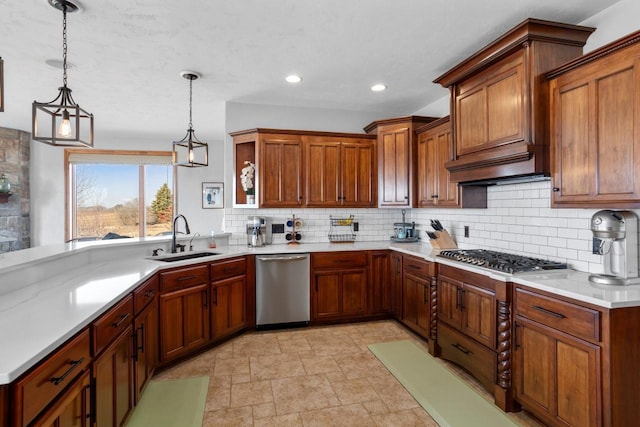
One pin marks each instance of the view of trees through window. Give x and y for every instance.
(121, 200)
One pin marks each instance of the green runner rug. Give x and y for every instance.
(171, 403)
(447, 398)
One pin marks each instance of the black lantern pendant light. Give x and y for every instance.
(189, 151)
(62, 122)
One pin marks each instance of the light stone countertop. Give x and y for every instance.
(48, 294)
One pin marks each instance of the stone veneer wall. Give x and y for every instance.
(14, 163)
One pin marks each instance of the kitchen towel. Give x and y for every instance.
(447, 398)
(171, 403)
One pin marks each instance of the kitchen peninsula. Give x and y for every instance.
(87, 284)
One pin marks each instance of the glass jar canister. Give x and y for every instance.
(5, 185)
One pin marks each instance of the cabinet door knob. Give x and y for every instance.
(556, 189)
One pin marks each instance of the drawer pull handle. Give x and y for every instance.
(193, 276)
(74, 364)
(552, 313)
(149, 293)
(461, 348)
(119, 322)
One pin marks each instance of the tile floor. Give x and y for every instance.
(318, 376)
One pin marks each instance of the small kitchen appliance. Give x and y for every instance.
(404, 231)
(616, 239)
(258, 231)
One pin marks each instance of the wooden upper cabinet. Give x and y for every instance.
(280, 171)
(396, 140)
(339, 171)
(499, 101)
(595, 122)
(434, 187)
(298, 168)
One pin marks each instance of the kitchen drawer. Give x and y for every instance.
(111, 324)
(418, 266)
(342, 260)
(462, 350)
(41, 386)
(183, 278)
(228, 268)
(144, 294)
(564, 316)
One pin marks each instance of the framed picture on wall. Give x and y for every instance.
(212, 195)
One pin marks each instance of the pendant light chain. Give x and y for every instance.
(190, 102)
(64, 44)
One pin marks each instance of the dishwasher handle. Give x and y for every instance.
(283, 258)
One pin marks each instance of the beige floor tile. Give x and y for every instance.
(354, 391)
(360, 365)
(392, 393)
(375, 407)
(338, 382)
(275, 366)
(288, 420)
(406, 418)
(219, 393)
(235, 366)
(253, 393)
(319, 364)
(298, 345)
(234, 417)
(348, 416)
(256, 344)
(331, 345)
(299, 394)
(264, 410)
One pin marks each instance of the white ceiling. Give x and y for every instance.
(129, 54)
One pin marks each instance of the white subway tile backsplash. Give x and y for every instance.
(519, 219)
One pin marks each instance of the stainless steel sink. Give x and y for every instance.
(183, 256)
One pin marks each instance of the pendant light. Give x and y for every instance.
(62, 122)
(189, 151)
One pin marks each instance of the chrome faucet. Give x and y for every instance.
(173, 232)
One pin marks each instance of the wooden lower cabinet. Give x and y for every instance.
(339, 285)
(114, 384)
(395, 288)
(228, 304)
(184, 311)
(417, 275)
(379, 274)
(474, 324)
(145, 353)
(415, 303)
(72, 408)
(557, 375)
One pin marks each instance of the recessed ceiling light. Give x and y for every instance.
(378, 87)
(293, 78)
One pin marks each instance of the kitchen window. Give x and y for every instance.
(118, 194)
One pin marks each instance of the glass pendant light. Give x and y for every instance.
(189, 151)
(62, 122)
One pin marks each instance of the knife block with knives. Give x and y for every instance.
(440, 238)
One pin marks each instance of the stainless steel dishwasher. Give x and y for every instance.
(282, 290)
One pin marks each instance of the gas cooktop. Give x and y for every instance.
(501, 261)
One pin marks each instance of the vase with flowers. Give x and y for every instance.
(246, 179)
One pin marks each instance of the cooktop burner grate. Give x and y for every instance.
(501, 261)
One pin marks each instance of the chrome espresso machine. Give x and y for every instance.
(258, 231)
(615, 236)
